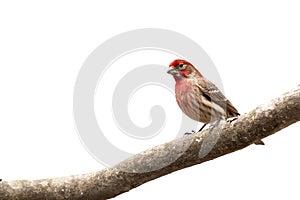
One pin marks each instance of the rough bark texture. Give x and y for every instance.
(166, 158)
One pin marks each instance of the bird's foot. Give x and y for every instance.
(232, 119)
(190, 133)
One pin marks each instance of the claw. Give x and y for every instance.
(190, 133)
(232, 119)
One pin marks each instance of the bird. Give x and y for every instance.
(198, 97)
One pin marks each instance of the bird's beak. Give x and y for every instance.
(172, 71)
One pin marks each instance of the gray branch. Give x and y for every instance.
(164, 159)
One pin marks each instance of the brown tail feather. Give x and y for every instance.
(231, 110)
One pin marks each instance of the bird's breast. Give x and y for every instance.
(187, 97)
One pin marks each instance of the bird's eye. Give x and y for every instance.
(180, 66)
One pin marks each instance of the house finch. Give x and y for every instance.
(198, 97)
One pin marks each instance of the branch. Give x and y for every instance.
(153, 163)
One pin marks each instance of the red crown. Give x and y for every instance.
(178, 62)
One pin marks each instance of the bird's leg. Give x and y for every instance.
(202, 127)
(193, 131)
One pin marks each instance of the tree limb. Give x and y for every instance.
(166, 158)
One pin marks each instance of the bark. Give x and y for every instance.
(164, 159)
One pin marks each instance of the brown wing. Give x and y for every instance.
(212, 93)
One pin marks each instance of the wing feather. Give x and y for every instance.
(211, 92)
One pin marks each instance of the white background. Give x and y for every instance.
(254, 45)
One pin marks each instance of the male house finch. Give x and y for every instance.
(198, 97)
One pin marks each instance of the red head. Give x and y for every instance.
(182, 69)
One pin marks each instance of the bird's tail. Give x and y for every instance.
(231, 110)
